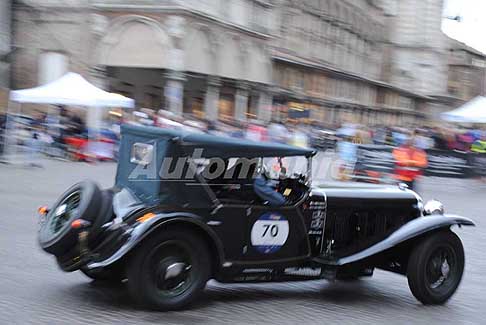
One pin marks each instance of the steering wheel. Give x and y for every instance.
(300, 177)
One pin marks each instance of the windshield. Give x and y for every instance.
(286, 167)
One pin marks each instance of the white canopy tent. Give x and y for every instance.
(70, 89)
(473, 111)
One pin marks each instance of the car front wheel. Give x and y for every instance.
(169, 270)
(435, 268)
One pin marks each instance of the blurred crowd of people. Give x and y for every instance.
(39, 125)
(433, 138)
(425, 138)
(41, 133)
(57, 131)
(292, 132)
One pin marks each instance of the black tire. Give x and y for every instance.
(149, 268)
(435, 267)
(55, 235)
(105, 215)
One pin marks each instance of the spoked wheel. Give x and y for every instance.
(66, 211)
(439, 268)
(82, 200)
(435, 268)
(169, 270)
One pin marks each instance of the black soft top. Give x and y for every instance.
(218, 146)
(148, 186)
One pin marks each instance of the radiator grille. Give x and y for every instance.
(348, 232)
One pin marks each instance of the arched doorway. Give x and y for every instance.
(136, 52)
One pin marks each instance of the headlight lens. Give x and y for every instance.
(433, 207)
(142, 153)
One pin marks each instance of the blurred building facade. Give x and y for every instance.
(466, 78)
(417, 46)
(421, 57)
(367, 61)
(5, 48)
(329, 59)
(467, 71)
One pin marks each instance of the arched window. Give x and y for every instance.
(127, 35)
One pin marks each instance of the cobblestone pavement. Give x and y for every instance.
(34, 290)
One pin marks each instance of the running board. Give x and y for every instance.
(279, 275)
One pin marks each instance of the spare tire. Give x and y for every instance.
(81, 201)
(105, 215)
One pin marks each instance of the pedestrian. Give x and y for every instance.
(479, 146)
(409, 162)
(77, 124)
(348, 154)
(421, 141)
(3, 126)
(277, 132)
(255, 131)
(34, 147)
(299, 137)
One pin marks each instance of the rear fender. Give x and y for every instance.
(142, 230)
(408, 231)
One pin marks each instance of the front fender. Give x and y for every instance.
(142, 230)
(408, 231)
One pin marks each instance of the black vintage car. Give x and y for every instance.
(185, 209)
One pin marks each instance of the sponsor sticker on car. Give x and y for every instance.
(269, 233)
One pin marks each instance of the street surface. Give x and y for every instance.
(34, 290)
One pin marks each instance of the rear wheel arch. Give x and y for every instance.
(197, 228)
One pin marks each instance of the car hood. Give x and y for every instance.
(365, 191)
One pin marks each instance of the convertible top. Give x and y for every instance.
(145, 181)
(217, 146)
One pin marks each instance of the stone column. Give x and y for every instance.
(174, 92)
(94, 116)
(99, 77)
(329, 115)
(241, 101)
(265, 101)
(211, 99)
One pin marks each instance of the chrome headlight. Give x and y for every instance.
(142, 153)
(433, 207)
(420, 203)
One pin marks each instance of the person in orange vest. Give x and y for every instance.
(409, 162)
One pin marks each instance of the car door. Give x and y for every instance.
(275, 234)
(230, 224)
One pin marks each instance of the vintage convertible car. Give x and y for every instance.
(184, 210)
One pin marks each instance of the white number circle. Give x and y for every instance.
(269, 233)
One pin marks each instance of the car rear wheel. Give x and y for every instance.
(435, 268)
(169, 270)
